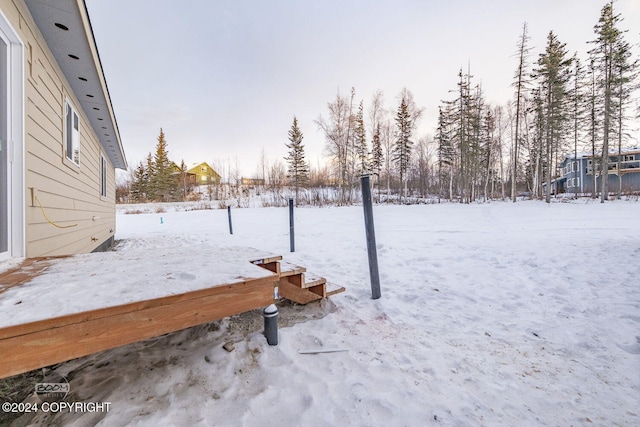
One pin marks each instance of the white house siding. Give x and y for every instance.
(70, 195)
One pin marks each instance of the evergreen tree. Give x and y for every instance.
(446, 152)
(625, 82)
(403, 145)
(377, 155)
(298, 170)
(140, 184)
(462, 119)
(614, 76)
(149, 172)
(376, 116)
(164, 186)
(360, 142)
(553, 73)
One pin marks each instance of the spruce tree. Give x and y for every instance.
(553, 73)
(403, 145)
(360, 142)
(446, 151)
(614, 76)
(140, 184)
(298, 170)
(149, 173)
(376, 151)
(163, 182)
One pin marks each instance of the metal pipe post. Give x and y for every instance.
(371, 236)
(230, 225)
(292, 239)
(271, 324)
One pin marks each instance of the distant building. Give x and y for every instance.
(577, 173)
(251, 182)
(203, 174)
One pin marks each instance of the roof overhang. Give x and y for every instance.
(67, 30)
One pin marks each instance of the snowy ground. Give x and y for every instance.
(491, 314)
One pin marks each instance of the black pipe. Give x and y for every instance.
(371, 236)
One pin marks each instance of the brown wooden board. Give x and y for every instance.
(288, 269)
(34, 346)
(294, 293)
(332, 289)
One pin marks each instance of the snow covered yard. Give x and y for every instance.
(491, 314)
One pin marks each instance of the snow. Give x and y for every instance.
(491, 314)
(140, 269)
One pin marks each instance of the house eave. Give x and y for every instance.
(67, 30)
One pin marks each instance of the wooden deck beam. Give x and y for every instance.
(39, 343)
(33, 345)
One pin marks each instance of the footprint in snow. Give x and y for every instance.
(633, 348)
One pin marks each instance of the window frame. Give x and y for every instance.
(71, 133)
(103, 176)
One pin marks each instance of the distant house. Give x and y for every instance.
(577, 173)
(59, 138)
(252, 182)
(203, 174)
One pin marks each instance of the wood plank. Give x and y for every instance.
(332, 289)
(294, 293)
(58, 344)
(312, 280)
(57, 322)
(320, 290)
(288, 269)
(306, 280)
(273, 266)
(264, 258)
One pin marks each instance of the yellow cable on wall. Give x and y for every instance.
(47, 218)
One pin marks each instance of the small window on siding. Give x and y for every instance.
(72, 134)
(103, 176)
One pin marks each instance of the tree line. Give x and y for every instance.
(562, 104)
(156, 179)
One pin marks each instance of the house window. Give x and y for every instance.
(103, 176)
(72, 134)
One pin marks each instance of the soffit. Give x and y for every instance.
(66, 28)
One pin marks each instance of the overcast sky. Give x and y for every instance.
(225, 78)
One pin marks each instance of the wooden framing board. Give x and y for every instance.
(33, 345)
(295, 293)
